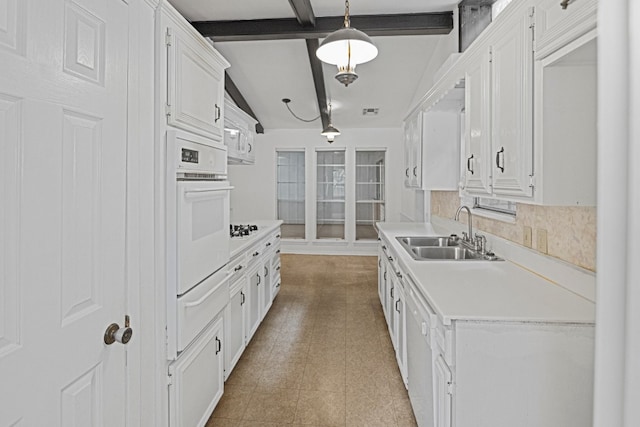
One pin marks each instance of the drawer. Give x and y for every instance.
(237, 267)
(198, 307)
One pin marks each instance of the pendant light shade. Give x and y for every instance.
(346, 48)
(330, 132)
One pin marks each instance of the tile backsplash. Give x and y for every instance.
(571, 231)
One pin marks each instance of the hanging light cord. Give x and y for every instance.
(287, 101)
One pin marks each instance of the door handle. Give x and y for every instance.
(115, 333)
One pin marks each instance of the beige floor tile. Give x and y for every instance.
(403, 411)
(328, 375)
(370, 410)
(272, 405)
(234, 402)
(286, 374)
(246, 373)
(321, 408)
(223, 422)
(289, 351)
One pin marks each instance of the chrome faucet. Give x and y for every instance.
(469, 237)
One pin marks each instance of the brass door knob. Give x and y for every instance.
(115, 333)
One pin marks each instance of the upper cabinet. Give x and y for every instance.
(558, 23)
(432, 144)
(194, 75)
(239, 135)
(512, 108)
(530, 105)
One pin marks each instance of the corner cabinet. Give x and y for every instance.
(194, 75)
(499, 113)
(413, 150)
(239, 135)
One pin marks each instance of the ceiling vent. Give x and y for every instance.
(370, 111)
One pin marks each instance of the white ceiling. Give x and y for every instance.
(267, 71)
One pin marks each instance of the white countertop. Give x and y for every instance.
(238, 245)
(486, 290)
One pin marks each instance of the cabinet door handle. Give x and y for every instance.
(278, 285)
(219, 345)
(564, 4)
(407, 173)
(259, 279)
(391, 292)
(469, 163)
(380, 263)
(278, 251)
(399, 275)
(385, 275)
(217, 113)
(250, 147)
(397, 309)
(277, 236)
(266, 272)
(415, 168)
(498, 155)
(243, 298)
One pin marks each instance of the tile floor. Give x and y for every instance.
(322, 356)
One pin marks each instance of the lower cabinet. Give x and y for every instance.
(196, 378)
(235, 325)
(254, 300)
(485, 373)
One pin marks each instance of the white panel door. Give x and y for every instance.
(63, 142)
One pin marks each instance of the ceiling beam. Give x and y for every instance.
(242, 103)
(318, 80)
(404, 24)
(305, 16)
(304, 12)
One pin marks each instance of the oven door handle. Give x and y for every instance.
(197, 193)
(208, 294)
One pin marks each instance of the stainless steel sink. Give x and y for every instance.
(454, 253)
(440, 241)
(426, 248)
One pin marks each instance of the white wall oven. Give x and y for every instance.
(197, 235)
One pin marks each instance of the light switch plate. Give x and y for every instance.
(542, 241)
(527, 240)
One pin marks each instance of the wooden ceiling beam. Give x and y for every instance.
(318, 80)
(404, 24)
(304, 12)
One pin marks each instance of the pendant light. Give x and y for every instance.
(346, 48)
(330, 131)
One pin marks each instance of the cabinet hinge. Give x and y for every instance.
(167, 109)
(532, 181)
(450, 387)
(167, 37)
(490, 55)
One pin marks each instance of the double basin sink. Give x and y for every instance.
(442, 248)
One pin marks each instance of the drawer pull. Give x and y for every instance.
(268, 244)
(238, 268)
(256, 253)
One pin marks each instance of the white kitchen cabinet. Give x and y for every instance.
(197, 379)
(499, 113)
(442, 393)
(194, 75)
(413, 150)
(400, 326)
(557, 26)
(239, 135)
(255, 298)
(512, 109)
(566, 136)
(235, 319)
(477, 177)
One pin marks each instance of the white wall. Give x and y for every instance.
(254, 195)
